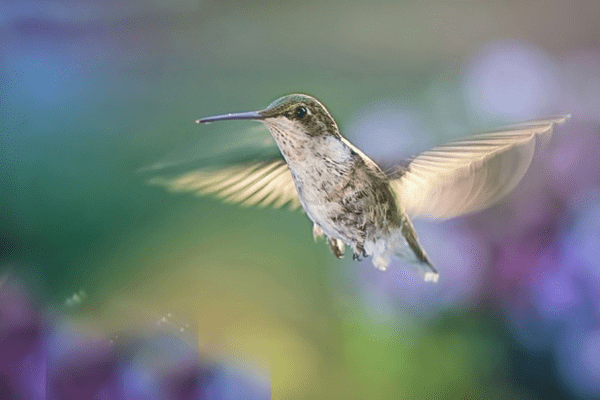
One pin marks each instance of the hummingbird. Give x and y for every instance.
(353, 201)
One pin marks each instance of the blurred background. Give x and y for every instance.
(110, 288)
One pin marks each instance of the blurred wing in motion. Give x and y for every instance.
(470, 174)
(249, 184)
(222, 147)
(243, 166)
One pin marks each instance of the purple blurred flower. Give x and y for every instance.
(81, 364)
(510, 80)
(22, 357)
(555, 306)
(74, 361)
(580, 84)
(574, 159)
(163, 365)
(581, 245)
(388, 132)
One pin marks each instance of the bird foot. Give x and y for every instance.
(359, 253)
(317, 232)
(337, 247)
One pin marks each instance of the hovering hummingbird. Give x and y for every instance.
(353, 201)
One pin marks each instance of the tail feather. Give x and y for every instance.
(404, 244)
(409, 234)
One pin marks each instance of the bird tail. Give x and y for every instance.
(402, 243)
(410, 249)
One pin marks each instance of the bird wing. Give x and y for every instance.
(238, 165)
(470, 174)
(260, 183)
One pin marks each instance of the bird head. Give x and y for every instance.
(296, 117)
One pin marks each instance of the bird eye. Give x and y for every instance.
(300, 112)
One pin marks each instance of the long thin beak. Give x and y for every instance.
(256, 115)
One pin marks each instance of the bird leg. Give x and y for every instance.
(359, 251)
(317, 232)
(337, 247)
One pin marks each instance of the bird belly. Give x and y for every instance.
(351, 225)
(321, 214)
(381, 244)
(347, 201)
